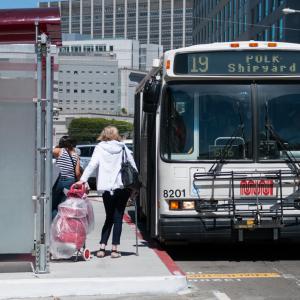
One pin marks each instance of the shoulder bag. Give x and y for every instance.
(73, 165)
(129, 175)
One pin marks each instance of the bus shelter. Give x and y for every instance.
(28, 40)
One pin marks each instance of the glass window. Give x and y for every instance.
(274, 5)
(279, 125)
(259, 11)
(273, 32)
(266, 35)
(221, 124)
(281, 29)
(266, 8)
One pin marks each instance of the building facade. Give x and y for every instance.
(129, 53)
(232, 20)
(88, 84)
(100, 76)
(164, 22)
(128, 81)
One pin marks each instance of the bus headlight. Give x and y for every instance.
(181, 204)
(188, 204)
(174, 204)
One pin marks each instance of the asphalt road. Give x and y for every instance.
(241, 271)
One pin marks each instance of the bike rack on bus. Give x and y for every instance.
(237, 207)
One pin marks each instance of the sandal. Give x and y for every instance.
(115, 254)
(100, 253)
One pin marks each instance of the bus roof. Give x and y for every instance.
(17, 26)
(245, 59)
(239, 45)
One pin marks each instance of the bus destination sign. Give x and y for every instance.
(238, 63)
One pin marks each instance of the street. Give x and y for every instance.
(256, 271)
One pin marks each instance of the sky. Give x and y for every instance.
(18, 3)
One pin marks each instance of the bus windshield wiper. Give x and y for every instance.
(217, 165)
(290, 158)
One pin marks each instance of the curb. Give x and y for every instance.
(154, 246)
(31, 288)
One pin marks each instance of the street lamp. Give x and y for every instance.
(288, 11)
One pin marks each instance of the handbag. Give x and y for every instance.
(129, 175)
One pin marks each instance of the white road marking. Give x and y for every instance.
(220, 296)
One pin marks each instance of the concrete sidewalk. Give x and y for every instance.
(151, 272)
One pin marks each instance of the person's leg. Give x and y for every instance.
(121, 198)
(109, 211)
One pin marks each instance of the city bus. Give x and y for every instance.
(217, 143)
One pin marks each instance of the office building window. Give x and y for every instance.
(273, 32)
(274, 5)
(266, 8)
(259, 11)
(281, 28)
(266, 34)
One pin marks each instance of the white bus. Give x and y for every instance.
(217, 141)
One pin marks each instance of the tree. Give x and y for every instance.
(86, 130)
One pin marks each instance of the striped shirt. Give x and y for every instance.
(65, 165)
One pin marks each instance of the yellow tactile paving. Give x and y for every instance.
(233, 275)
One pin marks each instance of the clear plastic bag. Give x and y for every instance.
(75, 219)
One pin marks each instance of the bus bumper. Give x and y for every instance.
(198, 230)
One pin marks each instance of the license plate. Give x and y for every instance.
(250, 188)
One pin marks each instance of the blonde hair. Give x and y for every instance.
(109, 133)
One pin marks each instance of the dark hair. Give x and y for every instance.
(66, 142)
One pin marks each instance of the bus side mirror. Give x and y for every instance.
(151, 94)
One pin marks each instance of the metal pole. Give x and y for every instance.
(38, 146)
(136, 227)
(42, 265)
(48, 146)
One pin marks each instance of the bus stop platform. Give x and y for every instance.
(152, 271)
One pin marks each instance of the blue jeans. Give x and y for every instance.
(58, 195)
(114, 208)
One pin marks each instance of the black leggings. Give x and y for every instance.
(114, 208)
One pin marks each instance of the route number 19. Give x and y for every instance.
(199, 64)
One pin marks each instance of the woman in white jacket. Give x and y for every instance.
(107, 157)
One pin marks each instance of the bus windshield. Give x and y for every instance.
(279, 109)
(207, 122)
(214, 121)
